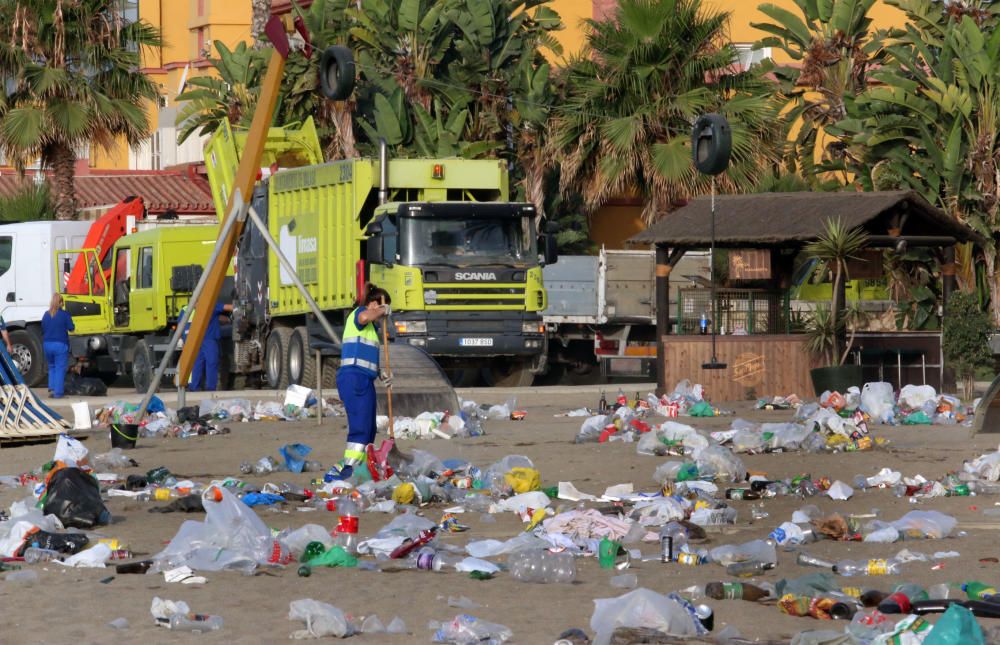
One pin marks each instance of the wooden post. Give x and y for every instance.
(662, 313)
(947, 276)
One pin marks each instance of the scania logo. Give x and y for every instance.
(473, 275)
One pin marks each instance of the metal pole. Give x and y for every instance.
(715, 364)
(235, 214)
(319, 387)
(287, 266)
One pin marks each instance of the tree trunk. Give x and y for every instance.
(63, 172)
(990, 255)
(261, 14)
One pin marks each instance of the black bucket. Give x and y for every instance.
(124, 435)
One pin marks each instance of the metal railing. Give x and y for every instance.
(736, 311)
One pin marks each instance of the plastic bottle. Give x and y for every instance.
(742, 493)
(806, 560)
(542, 566)
(673, 537)
(34, 555)
(346, 532)
(442, 561)
(748, 568)
(621, 401)
(875, 567)
(703, 324)
(977, 590)
(195, 623)
(734, 591)
(901, 599)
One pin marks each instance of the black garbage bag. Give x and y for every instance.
(75, 498)
(190, 413)
(68, 543)
(84, 385)
(188, 504)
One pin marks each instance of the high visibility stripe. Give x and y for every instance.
(354, 457)
(362, 340)
(368, 365)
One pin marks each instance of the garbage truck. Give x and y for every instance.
(460, 262)
(125, 315)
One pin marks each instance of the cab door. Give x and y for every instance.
(90, 305)
(121, 289)
(142, 315)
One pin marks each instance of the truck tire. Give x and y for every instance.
(142, 366)
(507, 372)
(275, 365)
(301, 361)
(28, 355)
(336, 73)
(330, 366)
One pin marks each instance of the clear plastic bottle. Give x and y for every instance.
(748, 568)
(346, 533)
(33, 555)
(875, 567)
(674, 536)
(444, 561)
(542, 566)
(195, 623)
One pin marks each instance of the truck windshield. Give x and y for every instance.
(476, 241)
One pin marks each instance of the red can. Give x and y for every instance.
(331, 505)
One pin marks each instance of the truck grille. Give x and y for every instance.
(508, 296)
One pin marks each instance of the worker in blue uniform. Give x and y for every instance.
(205, 374)
(359, 367)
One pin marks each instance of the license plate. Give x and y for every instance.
(476, 342)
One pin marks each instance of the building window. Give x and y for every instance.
(155, 143)
(128, 10)
(748, 56)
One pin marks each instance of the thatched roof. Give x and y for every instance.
(777, 219)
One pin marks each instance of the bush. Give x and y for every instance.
(965, 341)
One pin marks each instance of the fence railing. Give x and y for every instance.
(736, 311)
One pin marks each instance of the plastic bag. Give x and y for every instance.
(75, 498)
(722, 463)
(70, 451)
(755, 550)
(523, 480)
(642, 608)
(915, 396)
(469, 630)
(321, 619)
(932, 524)
(878, 402)
(295, 455)
(701, 409)
(591, 428)
(956, 627)
(918, 418)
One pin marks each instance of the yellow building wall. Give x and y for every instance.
(179, 22)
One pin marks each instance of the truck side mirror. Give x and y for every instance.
(551, 249)
(375, 255)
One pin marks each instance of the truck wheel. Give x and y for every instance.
(28, 356)
(142, 366)
(330, 366)
(506, 372)
(301, 361)
(336, 73)
(275, 366)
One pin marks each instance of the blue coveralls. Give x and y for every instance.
(359, 367)
(206, 364)
(55, 344)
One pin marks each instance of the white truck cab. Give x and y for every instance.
(27, 281)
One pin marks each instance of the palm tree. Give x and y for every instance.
(932, 123)
(832, 48)
(71, 71)
(630, 97)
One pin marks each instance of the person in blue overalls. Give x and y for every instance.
(359, 367)
(56, 325)
(205, 373)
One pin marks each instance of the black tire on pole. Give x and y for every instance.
(336, 73)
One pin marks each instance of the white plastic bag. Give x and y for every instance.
(321, 619)
(877, 401)
(70, 451)
(722, 463)
(915, 396)
(641, 608)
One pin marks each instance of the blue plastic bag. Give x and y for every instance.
(295, 456)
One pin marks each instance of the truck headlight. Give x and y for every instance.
(532, 328)
(411, 327)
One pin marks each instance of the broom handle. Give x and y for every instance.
(388, 368)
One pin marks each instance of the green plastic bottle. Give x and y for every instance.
(979, 590)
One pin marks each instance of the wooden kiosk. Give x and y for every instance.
(769, 230)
